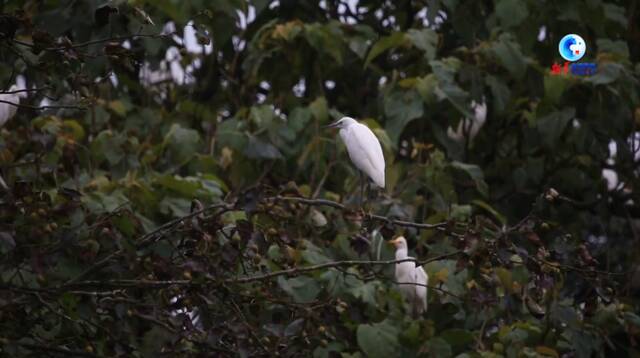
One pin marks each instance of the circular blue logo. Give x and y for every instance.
(572, 47)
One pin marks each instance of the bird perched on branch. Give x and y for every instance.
(364, 150)
(412, 279)
(9, 104)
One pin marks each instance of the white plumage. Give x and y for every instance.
(363, 147)
(412, 280)
(470, 126)
(7, 111)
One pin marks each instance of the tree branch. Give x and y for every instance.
(147, 239)
(26, 90)
(93, 42)
(287, 272)
(39, 108)
(334, 204)
(53, 349)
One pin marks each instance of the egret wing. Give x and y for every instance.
(366, 152)
(422, 280)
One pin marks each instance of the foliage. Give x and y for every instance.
(152, 180)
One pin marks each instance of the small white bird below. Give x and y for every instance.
(7, 110)
(363, 147)
(470, 126)
(412, 280)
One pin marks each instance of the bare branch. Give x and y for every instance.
(53, 349)
(288, 272)
(147, 239)
(26, 90)
(40, 108)
(334, 204)
(94, 42)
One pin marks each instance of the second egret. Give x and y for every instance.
(412, 279)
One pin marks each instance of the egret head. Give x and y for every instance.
(343, 122)
(399, 242)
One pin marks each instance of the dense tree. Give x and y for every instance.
(167, 187)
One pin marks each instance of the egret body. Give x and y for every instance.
(363, 147)
(412, 280)
(7, 110)
(469, 127)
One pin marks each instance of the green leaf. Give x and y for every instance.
(259, 149)
(74, 129)
(175, 206)
(326, 38)
(426, 40)
(617, 47)
(383, 44)
(303, 289)
(445, 71)
(378, 339)
(491, 210)
(615, 13)
(500, 92)
(320, 110)
(400, 109)
(555, 87)
(607, 73)
(313, 254)
(182, 143)
(366, 292)
(299, 118)
(179, 185)
(552, 125)
(457, 337)
(230, 134)
(511, 13)
(108, 145)
(438, 347)
(507, 50)
(262, 115)
(475, 173)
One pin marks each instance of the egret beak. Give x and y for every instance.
(332, 125)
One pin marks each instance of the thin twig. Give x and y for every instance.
(40, 108)
(26, 90)
(94, 42)
(155, 321)
(334, 204)
(246, 279)
(146, 239)
(54, 349)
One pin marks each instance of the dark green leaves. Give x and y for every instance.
(476, 175)
(552, 125)
(378, 339)
(511, 13)
(385, 43)
(426, 40)
(508, 53)
(181, 143)
(401, 108)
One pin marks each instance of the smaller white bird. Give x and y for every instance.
(7, 111)
(412, 279)
(364, 149)
(469, 127)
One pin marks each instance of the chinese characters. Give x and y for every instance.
(577, 69)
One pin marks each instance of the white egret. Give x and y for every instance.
(469, 127)
(412, 279)
(8, 110)
(364, 149)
